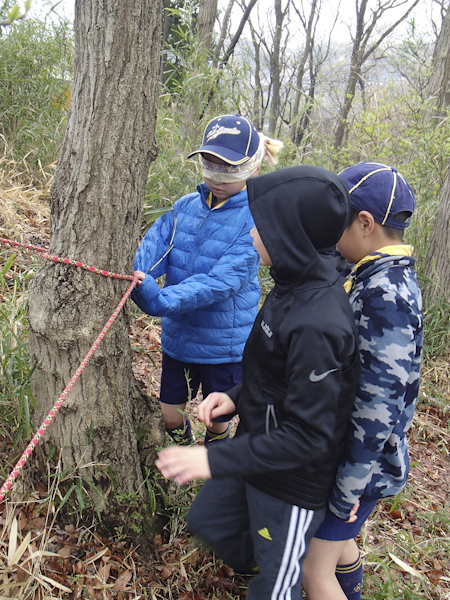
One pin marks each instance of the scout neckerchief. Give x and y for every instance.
(396, 250)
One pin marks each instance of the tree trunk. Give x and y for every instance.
(359, 42)
(223, 32)
(234, 40)
(304, 123)
(257, 100)
(96, 207)
(437, 262)
(207, 10)
(440, 72)
(301, 68)
(166, 25)
(188, 112)
(275, 67)
(345, 110)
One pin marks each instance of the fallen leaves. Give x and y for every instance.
(84, 566)
(41, 561)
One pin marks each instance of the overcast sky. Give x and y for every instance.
(347, 11)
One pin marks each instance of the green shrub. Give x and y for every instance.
(16, 398)
(35, 83)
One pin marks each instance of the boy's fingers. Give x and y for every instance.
(353, 512)
(205, 409)
(184, 464)
(141, 276)
(203, 415)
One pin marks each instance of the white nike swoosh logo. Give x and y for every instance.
(313, 377)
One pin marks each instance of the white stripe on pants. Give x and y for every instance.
(295, 547)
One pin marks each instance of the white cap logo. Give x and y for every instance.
(220, 130)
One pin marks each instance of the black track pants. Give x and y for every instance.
(249, 528)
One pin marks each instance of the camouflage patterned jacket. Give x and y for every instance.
(387, 304)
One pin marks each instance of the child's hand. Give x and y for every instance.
(215, 405)
(141, 276)
(184, 464)
(353, 512)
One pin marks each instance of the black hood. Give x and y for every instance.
(300, 213)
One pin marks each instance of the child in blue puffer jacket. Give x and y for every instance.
(211, 292)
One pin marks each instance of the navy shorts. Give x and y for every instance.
(212, 378)
(336, 530)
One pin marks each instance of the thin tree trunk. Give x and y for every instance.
(346, 107)
(223, 32)
(224, 60)
(301, 69)
(166, 25)
(275, 67)
(437, 262)
(257, 98)
(304, 123)
(361, 52)
(207, 11)
(96, 207)
(440, 73)
(229, 51)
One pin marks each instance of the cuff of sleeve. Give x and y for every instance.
(145, 293)
(216, 463)
(148, 288)
(344, 515)
(234, 395)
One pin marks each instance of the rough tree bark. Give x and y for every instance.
(96, 206)
(440, 73)
(207, 11)
(437, 262)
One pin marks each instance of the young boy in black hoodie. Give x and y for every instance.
(267, 488)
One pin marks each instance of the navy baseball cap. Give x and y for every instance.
(232, 138)
(380, 190)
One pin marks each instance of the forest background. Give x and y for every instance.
(338, 83)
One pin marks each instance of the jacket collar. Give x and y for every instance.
(235, 201)
(400, 254)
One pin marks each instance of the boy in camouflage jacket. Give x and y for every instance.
(387, 304)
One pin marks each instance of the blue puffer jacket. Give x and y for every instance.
(210, 298)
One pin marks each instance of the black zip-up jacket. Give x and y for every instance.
(300, 363)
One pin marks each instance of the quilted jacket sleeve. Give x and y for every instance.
(237, 266)
(154, 245)
(151, 257)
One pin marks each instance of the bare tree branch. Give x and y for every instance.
(226, 57)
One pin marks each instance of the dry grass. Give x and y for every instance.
(24, 204)
(436, 374)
